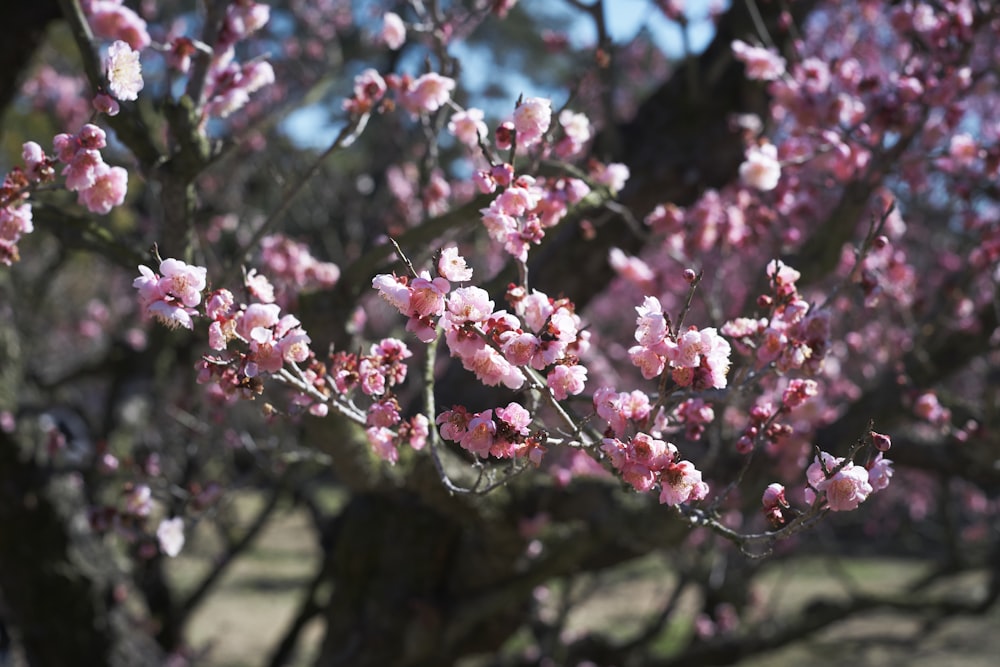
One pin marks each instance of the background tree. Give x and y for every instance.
(849, 147)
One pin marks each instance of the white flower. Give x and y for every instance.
(761, 169)
(170, 534)
(124, 71)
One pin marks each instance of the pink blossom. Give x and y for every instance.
(245, 18)
(427, 93)
(263, 315)
(452, 266)
(515, 417)
(613, 175)
(774, 496)
(110, 19)
(383, 443)
(680, 483)
(761, 170)
(108, 190)
(518, 346)
(493, 369)
(369, 88)
(761, 64)
(468, 126)
(576, 127)
(427, 296)
(847, 488)
(183, 281)
(393, 32)
(170, 535)
(105, 104)
(124, 71)
(479, 436)
(83, 168)
(879, 473)
(419, 431)
(532, 119)
(468, 304)
(394, 290)
(630, 268)
(651, 325)
(566, 380)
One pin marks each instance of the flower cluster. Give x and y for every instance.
(171, 297)
(843, 484)
(697, 358)
(99, 186)
(541, 333)
(795, 336)
(15, 210)
(293, 269)
(502, 432)
(645, 462)
(112, 20)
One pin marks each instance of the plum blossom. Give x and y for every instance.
(110, 19)
(468, 126)
(761, 64)
(107, 191)
(761, 170)
(532, 119)
(680, 483)
(452, 266)
(171, 297)
(427, 93)
(393, 30)
(124, 71)
(845, 489)
(170, 535)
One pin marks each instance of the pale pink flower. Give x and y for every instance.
(880, 472)
(382, 442)
(427, 93)
(630, 268)
(468, 304)
(651, 325)
(532, 119)
(110, 19)
(761, 170)
(566, 380)
(761, 64)
(774, 496)
(393, 32)
(170, 535)
(647, 361)
(452, 266)
(427, 296)
(124, 71)
(105, 104)
(393, 290)
(263, 315)
(576, 126)
(108, 190)
(847, 488)
(613, 175)
(478, 438)
(83, 168)
(680, 483)
(419, 432)
(183, 281)
(245, 18)
(492, 369)
(519, 346)
(468, 126)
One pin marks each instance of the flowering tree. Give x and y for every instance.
(526, 336)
